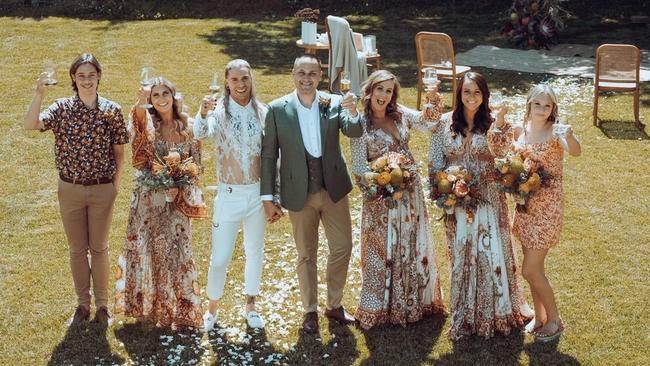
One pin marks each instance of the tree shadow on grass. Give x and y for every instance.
(84, 345)
(254, 348)
(397, 345)
(266, 45)
(499, 350)
(547, 354)
(271, 44)
(622, 130)
(341, 349)
(145, 343)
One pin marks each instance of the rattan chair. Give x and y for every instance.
(617, 69)
(437, 50)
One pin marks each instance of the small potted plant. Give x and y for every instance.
(309, 18)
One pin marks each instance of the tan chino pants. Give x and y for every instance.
(338, 230)
(86, 212)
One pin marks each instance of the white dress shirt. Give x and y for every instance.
(309, 119)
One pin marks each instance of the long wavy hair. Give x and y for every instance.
(180, 119)
(368, 88)
(482, 119)
(539, 90)
(240, 64)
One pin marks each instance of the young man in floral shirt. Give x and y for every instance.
(90, 134)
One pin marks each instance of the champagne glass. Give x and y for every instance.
(214, 87)
(49, 70)
(346, 84)
(430, 78)
(561, 129)
(146, 82)
(179, 97)
(496, 102)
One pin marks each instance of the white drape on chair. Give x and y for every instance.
(344, 56)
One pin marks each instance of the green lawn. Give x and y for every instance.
(600, 269)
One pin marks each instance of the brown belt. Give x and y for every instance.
(86, 182)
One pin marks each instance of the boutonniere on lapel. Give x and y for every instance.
(324, 103)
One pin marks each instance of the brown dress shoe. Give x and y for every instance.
(103, 317)
(310, 323)
(81, 314)
(340, 315)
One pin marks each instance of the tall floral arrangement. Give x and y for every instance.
(534, 23)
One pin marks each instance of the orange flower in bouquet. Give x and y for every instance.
(454, 187)
(174, 170)
(520, 175)
(389, 175)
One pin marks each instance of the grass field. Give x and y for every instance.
(600, 269)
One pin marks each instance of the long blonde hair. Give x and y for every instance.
(539, 90)
(181, 124)
(240, 64)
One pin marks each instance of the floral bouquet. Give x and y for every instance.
(170, 171)
(308, 15)
(389, 176)
(520, 176)
(455, 187)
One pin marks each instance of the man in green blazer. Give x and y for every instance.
(302, 129)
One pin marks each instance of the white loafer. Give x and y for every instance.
(209, 321)
(254, 320)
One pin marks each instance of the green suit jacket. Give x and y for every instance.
(282, 138)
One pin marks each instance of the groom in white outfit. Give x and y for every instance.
(235, 125)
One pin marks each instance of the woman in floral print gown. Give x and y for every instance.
(486, 294)
(157, 278)
(400, 280)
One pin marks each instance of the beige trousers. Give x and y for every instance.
(86, 212)
(338, 230)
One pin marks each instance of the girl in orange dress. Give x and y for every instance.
(538, 226)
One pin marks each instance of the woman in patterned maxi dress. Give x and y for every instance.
(400, 280)
(156, 276)
(486, 293)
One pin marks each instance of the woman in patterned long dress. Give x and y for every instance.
(486, 295)
(538, 226)
(157, 278)
(400, 280)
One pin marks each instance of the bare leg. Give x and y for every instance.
(213, 306)
(250, 303)
(543, 296)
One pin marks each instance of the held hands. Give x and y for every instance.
(207, 104)
(273, 212)
(350, 103)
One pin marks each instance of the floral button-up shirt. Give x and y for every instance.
(84, 137)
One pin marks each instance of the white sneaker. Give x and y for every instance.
(209, 321)
(254, 320)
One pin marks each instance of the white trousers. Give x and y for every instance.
(236, 205)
